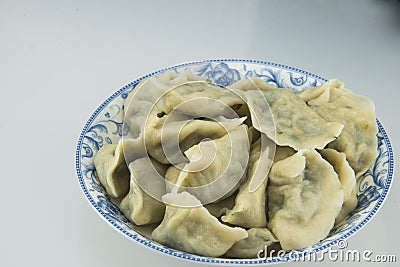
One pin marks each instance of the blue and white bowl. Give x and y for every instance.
(105, 127)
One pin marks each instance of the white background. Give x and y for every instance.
(60, 59)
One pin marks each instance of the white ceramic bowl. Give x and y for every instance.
(105, 126)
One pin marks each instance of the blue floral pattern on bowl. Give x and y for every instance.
(105, 127)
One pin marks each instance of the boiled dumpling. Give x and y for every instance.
(297, 125)
(181, 106)
(111, 163)
(161, 82)
(181, 135)
(197, 94)
(147, 94)
(347, 179)
(194, 229)
(120, 181)
(218, 164)
(139, 207)
(305, 197)
(112, 170)
(249, 210)
(358, 141)
(258, 239)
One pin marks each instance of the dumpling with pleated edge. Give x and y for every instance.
(216, 167)
(285, 117)
(166, 144)
(181, 107)
(120, 180)
(194, 229)
(249, 210)
(305, 197)
(111, 166)
(347, 179)
(333, 102)
(141, 100)
(138, 206)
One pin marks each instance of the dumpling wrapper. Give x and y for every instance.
(195, 230)
(181, 135)
(222, 165)
(258, 239)
(333, 102)
(147, 93)
(347, 179)
(296, 124)
(111, 163)
(249, 210)
(305, 197)
(219, 99)
(183, 104)
(139, 207)
(348, 206)
(112, 169)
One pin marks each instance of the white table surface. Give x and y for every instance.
(60, 59)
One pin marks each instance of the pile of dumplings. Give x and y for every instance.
(324, 139)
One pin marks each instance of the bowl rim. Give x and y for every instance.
(144, 241)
